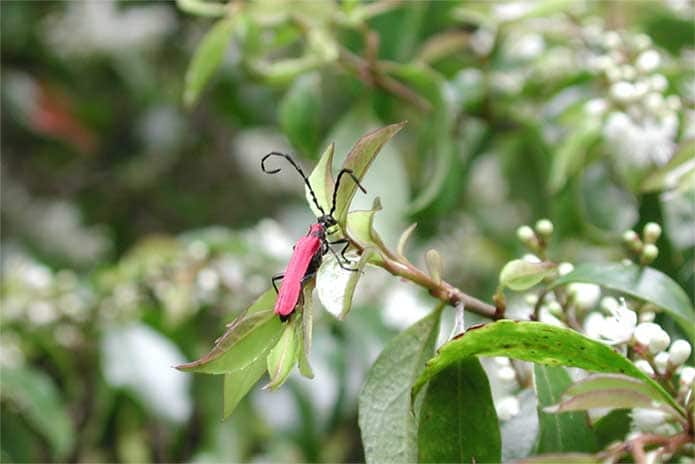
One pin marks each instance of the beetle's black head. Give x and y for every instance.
(327, 221)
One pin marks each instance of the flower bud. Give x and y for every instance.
(651, 232)
(687, 376)
(659, 341)
(647, 420)
(649, 253)
(544, 228)
(647, 316)
(525, 235)
(609, 304)
(645, 331)
(661, 362)
(585, 295)
(648, 61)
(565, 268)
(506, 373)
(631, 239)
(531, 299)
(679, 352)
(644, 366)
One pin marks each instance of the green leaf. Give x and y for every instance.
(207, 58)
(644, 283)
(248, 337)
(305, 330)
(238, 383)
(559, 432)
(386, 422)
(571, 155)
(403, 240)
(458, 422)
(609, 382)
(612, 427)
(360, 157)
(521, 274)
(321, 180)
(539, 343)
(299, 113)
(39, 401)
(283, 357)
(360, 228)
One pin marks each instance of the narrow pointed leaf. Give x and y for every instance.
(283, 357)
(306, 329)
(247, 338)
(644, 283)
(359, 159)
(520, 274)
(387, 424)
(434, 265)
(539, 343)
(207, 58)
(403, 240)
(564, 458)
(598, 382)
(559, 432)
(238, 383)
(617, 398)
(458, 422)
(360, 228)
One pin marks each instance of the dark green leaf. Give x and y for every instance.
(40, 402)
(207, 58)
(386, 422)
(559, 432)
(249, 337)
(539, 343)
(300, 112)
(643, 283)
(458, 422)
(612, 427)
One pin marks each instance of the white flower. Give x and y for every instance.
(507, 407)
(646, 331)
(585, 295)
(659, 341)
(679, 352)
(593, 324)
(648, 61)
(658, 82)
(525, 234)
(609, 304)
(619, 327)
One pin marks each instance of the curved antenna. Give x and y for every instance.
(299, 170)
(337, 185)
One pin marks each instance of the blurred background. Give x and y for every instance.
(135, 226)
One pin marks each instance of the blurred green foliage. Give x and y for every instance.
(136, 219)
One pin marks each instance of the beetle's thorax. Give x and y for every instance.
(318, 230)
(327, 221)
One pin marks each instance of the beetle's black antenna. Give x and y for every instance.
(301, 173)
(337, 184)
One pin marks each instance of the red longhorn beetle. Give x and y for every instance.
(309, 250)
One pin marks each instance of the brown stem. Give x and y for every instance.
(441, 290)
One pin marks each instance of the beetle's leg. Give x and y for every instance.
(340, 242)
(275, 278)
(340, 263)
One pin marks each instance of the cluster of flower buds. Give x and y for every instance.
(536, 239)
(643, 248)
